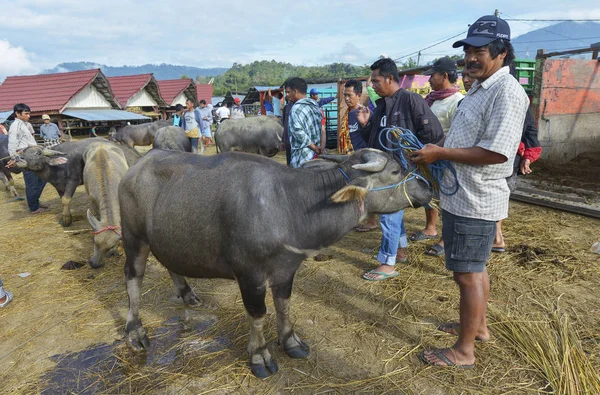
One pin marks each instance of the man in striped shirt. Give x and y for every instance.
(304, 124)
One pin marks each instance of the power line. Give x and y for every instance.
(551, 20)
(546, 30)
(558, 39)
(431, 46)
(400, 56)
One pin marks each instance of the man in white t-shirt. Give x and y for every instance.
(223, 112)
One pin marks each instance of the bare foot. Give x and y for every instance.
(374, 274)
(483, 335)
(448, 357)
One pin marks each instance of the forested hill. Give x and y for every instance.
(239, 78)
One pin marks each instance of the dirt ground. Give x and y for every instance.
(63, 333)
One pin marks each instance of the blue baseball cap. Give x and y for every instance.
(314, 91)
(485, 30)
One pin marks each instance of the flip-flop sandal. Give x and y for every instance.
(498, 249)
(451, 328)
(420, 235)
(439, 353)
(363, 228)
(435, 250)
(384, 276)
(9, 297)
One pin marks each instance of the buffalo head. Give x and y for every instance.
(105, 240)
(378, 181)
(36, 158)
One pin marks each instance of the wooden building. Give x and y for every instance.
(74, 100)
(139, 94)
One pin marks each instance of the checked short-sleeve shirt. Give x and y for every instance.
(491, 116)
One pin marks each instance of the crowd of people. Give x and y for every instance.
(488, 135)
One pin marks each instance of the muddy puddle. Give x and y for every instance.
(103, 367)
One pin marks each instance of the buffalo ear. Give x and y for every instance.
(95, 224)
(349, 193)
(60, 160)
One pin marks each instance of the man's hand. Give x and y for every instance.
(363, 115)
(428, 154)
(525, 169)
(11, 163)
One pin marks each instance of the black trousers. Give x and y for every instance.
(34, 187)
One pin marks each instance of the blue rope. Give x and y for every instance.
(399, 139)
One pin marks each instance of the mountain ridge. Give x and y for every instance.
(558, 37)
(161, 71)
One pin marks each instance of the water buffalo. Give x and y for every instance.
(143, 134)
(255, 135)
(105, 166)
(266, 219)
(172, 138)
(5, 173)
(66, 177)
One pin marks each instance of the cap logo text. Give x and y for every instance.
(486, 27)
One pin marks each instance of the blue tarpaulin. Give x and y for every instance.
(4, 115)
(105, 115)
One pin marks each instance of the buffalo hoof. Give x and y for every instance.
(301, 351)
(66, 220)
(138, 339)
(190, 298)
(263, 371)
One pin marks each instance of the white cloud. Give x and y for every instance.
(14, 60)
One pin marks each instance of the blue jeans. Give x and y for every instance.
(34, 187)
(194, 142)
(393, 236)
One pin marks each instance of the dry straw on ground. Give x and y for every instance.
(364, 337)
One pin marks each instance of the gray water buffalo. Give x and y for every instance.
(263, 221)
(66, 177)
(105, 166)
(143, 134)
(5, 173)
(255, 135)
(172, 138)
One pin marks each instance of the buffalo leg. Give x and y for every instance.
(183, 289)
(261, 362)
(292, 344)
(8, 182)
(135, 266)
(67, 219)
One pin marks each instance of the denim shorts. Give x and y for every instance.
(467, 241)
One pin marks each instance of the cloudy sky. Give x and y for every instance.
(39, 34)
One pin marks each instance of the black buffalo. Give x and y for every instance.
(50, 166)
(255, 135)
(5, 173)
(172, 138)
(263, 220)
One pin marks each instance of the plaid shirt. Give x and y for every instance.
(304, 130)
(491, 117)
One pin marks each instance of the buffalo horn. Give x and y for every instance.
(375, 164)
(334, 158)
(50, 152)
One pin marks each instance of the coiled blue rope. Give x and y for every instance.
(396, 140)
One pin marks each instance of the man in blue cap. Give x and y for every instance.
(481, 144)
(314, 94)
